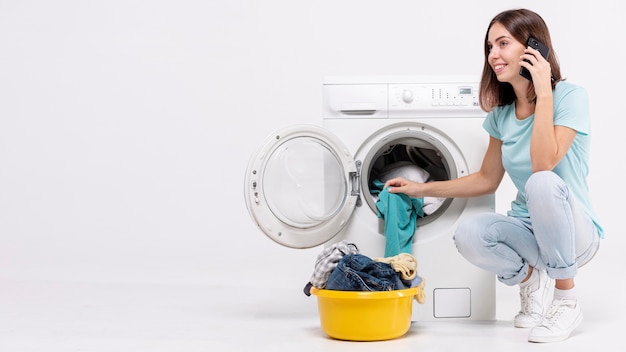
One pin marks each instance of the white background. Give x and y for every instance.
(126, 126)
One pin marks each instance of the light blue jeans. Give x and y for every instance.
(558, 236)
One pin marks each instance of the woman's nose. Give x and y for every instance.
(493, 53)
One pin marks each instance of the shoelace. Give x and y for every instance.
(554, 312)
(527, 300)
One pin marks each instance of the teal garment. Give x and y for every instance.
(400, 213)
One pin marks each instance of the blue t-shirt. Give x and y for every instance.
(571, 109)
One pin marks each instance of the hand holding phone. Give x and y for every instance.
(542, 48)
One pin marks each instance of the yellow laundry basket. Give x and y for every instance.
(365, 316)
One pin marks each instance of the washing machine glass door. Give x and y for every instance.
(300, 186)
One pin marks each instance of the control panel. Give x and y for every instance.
(407, 99)
(429, 95)
(379, 99)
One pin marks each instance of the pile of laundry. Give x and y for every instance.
(341, 267)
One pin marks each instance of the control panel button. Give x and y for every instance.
(407, 96)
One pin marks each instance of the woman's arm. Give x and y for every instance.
(548, 143)
(484, 181)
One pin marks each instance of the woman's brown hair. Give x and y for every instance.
(522, 24)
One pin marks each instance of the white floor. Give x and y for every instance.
(65, 316)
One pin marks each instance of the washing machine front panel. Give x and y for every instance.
(438, 113)
(300, 186)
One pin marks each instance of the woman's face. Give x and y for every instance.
(504, 54)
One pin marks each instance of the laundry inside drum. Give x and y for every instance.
(418, 163)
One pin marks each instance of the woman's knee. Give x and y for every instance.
(542, 183)
(471, 231)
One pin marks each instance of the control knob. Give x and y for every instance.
(407, 96)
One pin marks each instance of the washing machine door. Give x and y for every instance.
(301, 186)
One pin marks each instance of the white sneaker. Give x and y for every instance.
(534, 301)
(561, 319)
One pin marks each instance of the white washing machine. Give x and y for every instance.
(309, 185)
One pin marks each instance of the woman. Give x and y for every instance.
(538, 134)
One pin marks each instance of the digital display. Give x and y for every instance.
(465, 90)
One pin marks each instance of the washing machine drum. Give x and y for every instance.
(404, 169)
(410, 171)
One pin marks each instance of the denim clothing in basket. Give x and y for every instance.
(400, 213)
(357, 272)
(327, 261)
(406, 266)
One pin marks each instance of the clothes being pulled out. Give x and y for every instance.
(326, 262)
(400, 213)
(410, 171)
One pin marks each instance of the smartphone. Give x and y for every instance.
(542, 48)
